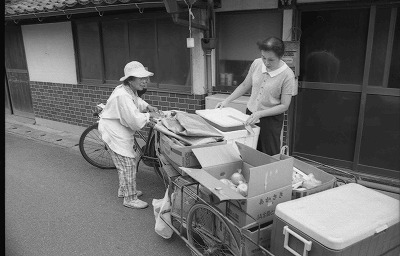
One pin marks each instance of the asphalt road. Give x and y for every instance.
(58, 204)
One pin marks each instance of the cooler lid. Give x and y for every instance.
(342, 216)
(224, 117)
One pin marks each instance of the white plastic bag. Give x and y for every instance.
(160, 205)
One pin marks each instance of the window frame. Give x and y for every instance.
(77, 50)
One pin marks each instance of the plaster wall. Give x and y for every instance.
(50, 53)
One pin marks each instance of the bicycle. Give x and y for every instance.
(95, 151)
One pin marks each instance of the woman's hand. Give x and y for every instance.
(152, 109)
(155, 115)
(221, 104)
(253, 118)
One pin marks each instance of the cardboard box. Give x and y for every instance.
(182, 155)
(174, 165)
(327, 180)
(260, 235)
(242, 136)
(259, 208)
(266, 176)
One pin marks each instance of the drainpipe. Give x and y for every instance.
(208, 43)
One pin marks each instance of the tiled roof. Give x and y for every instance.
(24, 7)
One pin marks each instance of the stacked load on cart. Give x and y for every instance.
(269, 182)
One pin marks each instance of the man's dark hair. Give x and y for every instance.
(272, 44)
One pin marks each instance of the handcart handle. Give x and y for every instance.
(307, 244)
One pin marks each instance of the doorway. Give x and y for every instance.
(17, 76)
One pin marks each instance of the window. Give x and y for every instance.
(105, 46)
(380, 140)
(143, 44)
(380, 41)
(115, 48)
(89, 57)
(237, 35)
(327, 123)
(333, 45)
(394, 77)
(173, 55)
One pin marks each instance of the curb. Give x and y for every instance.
(29, 129)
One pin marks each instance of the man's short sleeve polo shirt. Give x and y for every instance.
(267, 87)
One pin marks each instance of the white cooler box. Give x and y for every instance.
(230, 123)
(349, 220)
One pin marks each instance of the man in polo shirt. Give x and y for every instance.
(272, 85)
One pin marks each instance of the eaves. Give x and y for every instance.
(28, 9)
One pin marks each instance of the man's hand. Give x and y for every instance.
(253, 118)
(221, 104)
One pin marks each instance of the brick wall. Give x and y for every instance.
(74, 104)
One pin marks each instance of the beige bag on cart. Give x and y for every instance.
(160, 205)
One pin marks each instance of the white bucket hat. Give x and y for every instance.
(136, 69)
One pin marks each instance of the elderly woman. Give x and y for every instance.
(272, 85)
(125, 113)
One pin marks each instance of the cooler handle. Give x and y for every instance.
(307, 244)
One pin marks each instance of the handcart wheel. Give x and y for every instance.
(209, 233)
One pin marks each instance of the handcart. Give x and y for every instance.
(200, 219)
(201, 224)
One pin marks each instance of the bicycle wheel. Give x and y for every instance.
(94, 150)
(208, 232)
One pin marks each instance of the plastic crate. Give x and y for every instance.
(328, 181)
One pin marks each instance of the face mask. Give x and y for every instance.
(140, 93)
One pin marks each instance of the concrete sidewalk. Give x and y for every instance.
(31, 129)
